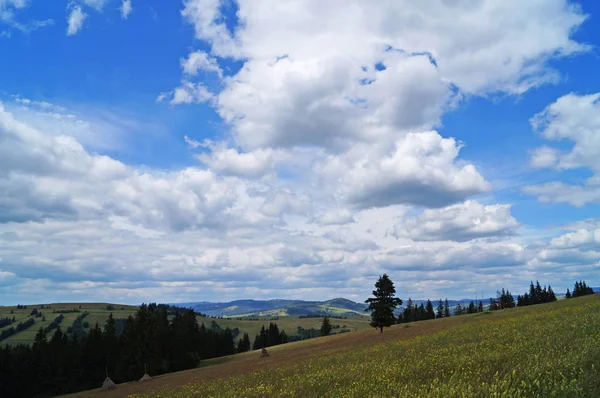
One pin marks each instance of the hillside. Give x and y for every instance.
(99, 312)
(541, 350)
(277, 307)
(96, 312)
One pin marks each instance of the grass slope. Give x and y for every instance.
(97, 313)
(538, 351)
(289, 324)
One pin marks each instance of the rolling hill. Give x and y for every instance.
(277, 307)
(541, 350)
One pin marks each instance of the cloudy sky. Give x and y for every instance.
(222, 149)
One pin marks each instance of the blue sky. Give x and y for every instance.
(220, 149)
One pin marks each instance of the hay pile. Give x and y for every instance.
(264, 353)
(108, 384)
(145, 377)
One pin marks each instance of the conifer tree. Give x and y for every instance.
(551, 295)
(471, 309)
(459, 309)
(326, 327)
(383, 304)
(429, 313)
(446, 309)
(440, 309)
(409, 312)
(480, 306)
(568, 295)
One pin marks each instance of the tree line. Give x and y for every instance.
(580, 289)
(383, 303)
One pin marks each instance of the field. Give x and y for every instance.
(538, 351)
(290, 324)
(97, 313)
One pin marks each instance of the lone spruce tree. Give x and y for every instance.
(326, 327)
(383, 304)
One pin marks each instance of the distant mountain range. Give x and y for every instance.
(277, 307)
(337, 307)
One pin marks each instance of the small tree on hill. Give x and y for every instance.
(383, 304)
(326, 327)
(568, 294)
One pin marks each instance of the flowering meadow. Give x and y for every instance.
(549, 350)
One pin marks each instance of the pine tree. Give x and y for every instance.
(421, 313)
(568, 295)
(440, 309)
(446, 309)
(326, 327)
(409, 312)
(459, 309)
(480, 307)
(383, 304)
(430, 314)
(471, 309)
(551, 295)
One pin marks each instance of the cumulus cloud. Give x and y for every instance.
(575, 118)
(229, 161)
(462, 222)
(75, 21)
(199, 60)
(420, 170)
(329, 149)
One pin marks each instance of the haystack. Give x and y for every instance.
(264, 353)
(145, 377)
(108, 384)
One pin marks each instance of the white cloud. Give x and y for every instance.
(75, 21)
(199, 60)
(8, 15)
(480, 47)
(229, 161)
(126, 9)
(544, 157)
(460, 222)
(187, 93)
(421, 169)
(97, 4)
(575, 118)
(330, 150)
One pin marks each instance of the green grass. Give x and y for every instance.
(98, 313)
(550, 350)
(288, 323)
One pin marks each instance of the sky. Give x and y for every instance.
(213, 150)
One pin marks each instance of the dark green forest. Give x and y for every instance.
(159, 338)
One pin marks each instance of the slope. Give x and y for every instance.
(533, 351)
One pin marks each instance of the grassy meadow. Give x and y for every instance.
(549, 350)
(289, 324)
(97, 313)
